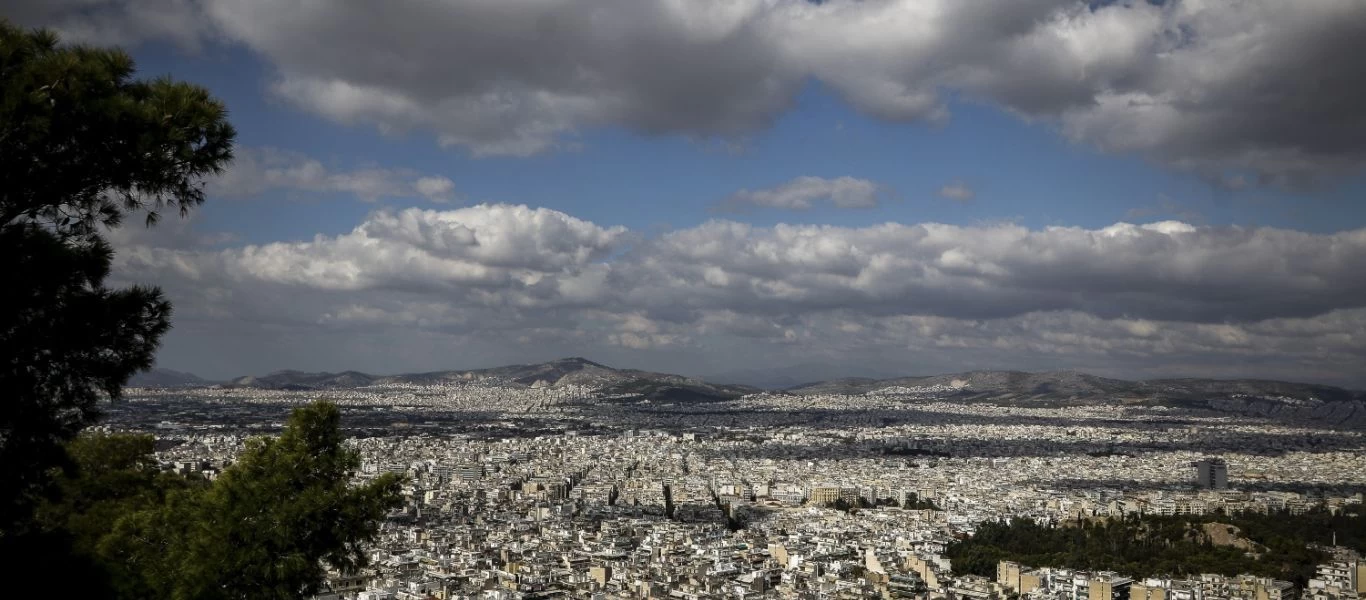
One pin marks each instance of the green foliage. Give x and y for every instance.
(112, 475)
(107, 477)
(1154, 546)
(82, 145)
(264, 528)
(1321, 527)
(913, 502)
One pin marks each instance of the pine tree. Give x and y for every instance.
(266, 526)
(82, 146)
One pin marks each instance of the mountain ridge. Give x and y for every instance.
(158, 377)
(1256, 397)
(1259, 397)
(579, 368)
(556, 373)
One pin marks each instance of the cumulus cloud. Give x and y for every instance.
(803, 193)
(1164, 293)
(957, 191)
(257, 170)
(1166, 270)
(1210, 85)
(436, 189)
(1257, 91)
(525, 256)
(515, 78)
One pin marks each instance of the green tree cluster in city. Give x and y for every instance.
(1149, 546)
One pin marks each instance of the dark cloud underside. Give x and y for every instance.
(1227, 88)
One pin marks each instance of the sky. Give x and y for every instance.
(865, 187)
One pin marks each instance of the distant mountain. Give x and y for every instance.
(1071, 385)
(1059, 385)
(787, 377)
(1272, 399)
(557, 373)
(1275, 399)
(165, 378)
(303, 380)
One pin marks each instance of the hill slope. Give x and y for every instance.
(165, 378)
(1272, 399)
(1276, 399)
(556, 373)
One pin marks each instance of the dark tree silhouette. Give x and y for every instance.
(82, 146)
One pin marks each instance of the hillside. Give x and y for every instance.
(1272, 399)
(165, 378)
(557, 373)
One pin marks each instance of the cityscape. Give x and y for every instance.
(683, 299)
(544, 490)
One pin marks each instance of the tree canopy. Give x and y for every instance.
(82, 145)
(265, 528)
(1149, 545)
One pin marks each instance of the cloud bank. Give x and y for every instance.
(1125, 299)
(1242, 91)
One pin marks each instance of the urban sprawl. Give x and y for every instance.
(561, 492)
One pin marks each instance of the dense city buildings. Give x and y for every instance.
(539, 492)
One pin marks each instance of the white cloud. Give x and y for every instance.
(1145, 296)
(1167, 270)
(803, 193)
(516, 79)
(957, 191)
(436, 189)
(1163, 270)
(258, 170)
(1237, 90)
